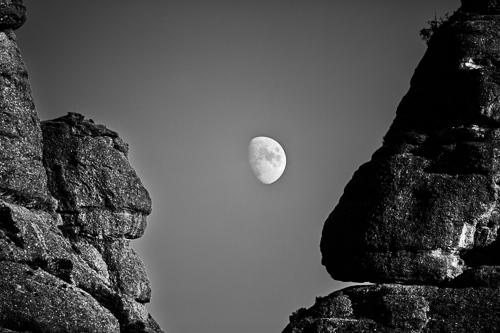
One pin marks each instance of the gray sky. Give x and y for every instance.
(188, 84)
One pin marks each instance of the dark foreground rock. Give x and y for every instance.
(425, 208)
(424, 211)
(12, 14)
(391, 308)
(70, 203)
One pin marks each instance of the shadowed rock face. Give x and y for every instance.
(425, 208)
(12, 14)
(485, 7)
(69, 205)
(392, 308)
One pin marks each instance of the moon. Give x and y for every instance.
(267, 159)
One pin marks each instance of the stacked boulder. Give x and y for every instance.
(421, 218)
(70, 203)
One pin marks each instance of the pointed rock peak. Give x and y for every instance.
(81, 126)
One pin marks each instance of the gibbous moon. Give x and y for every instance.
(267, 159)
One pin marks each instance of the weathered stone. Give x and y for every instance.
(127, 270)
(21, 170)
(395, 308)
(93, 258)
(482, 277)
(67, 267)
(32, 299)
(35, 238)
(481, 7)
(88, 172)
(425, 208)
(12, 14)
(107, 269)
(135, 313)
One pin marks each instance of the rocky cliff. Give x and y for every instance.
(70, 203)
(421, 218)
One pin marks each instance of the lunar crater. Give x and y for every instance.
(267, 159)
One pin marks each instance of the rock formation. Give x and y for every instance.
(424, 212)
(70, 203)
(395, 308)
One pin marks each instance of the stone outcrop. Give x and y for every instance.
(393, 308)
(12, 14)
(89, 174)
(421, 218)
(21, 170)
(70, 203)
(425, 208)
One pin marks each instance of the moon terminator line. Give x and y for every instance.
(267, 159)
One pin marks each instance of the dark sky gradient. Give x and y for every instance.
(187, 84)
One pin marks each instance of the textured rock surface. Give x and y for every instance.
(399, 308)
(425, 208)
(88, 172)
(69, 205)
(12, 14)
(21, 170)
(35, 300)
